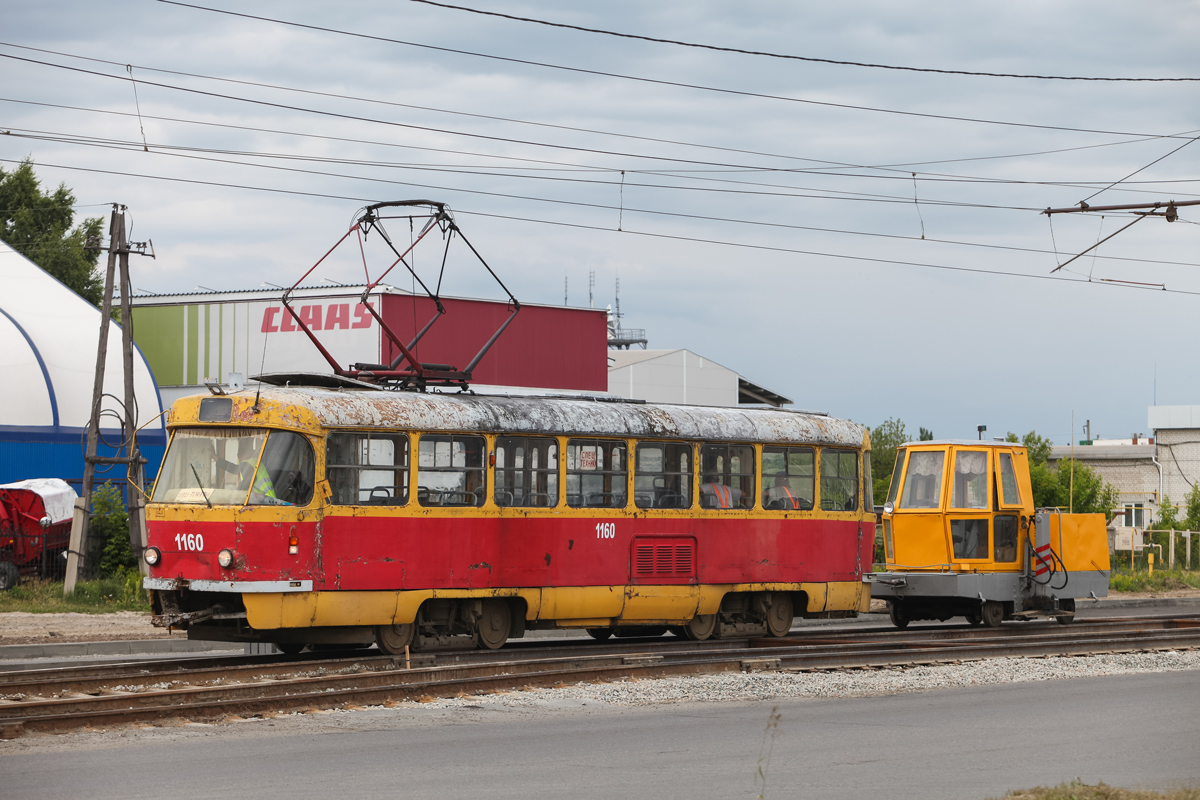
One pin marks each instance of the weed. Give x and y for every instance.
(767, 745)
(1077, 790)
(122, 592)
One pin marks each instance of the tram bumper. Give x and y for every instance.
(977, 586)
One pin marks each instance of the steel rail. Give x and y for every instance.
(351, 683)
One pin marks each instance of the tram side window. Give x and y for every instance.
(596, 473)
(526, 471)
(970, 479)
(839, 480)
(366, 469)
(727, 476)
(1006, 538)
(286, 472)
(923, 480)
(662, 477)
(970, 537)
(450, 471)
(789, 474)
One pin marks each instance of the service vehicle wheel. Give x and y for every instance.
(1069, 607)
(780, 615)
(992, 613)
(701, 627)
(392, 639)
(974, 618)
(9, 575)
(290, 648)
(896, 614)
(494, 625)
(599, 634)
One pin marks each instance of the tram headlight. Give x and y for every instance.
(152, 556)
(889, 507)
(225, 558)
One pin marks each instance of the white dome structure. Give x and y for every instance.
(48, 341)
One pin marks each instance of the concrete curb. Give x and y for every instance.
(125, 647)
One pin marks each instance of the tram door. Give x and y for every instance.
(970, 517)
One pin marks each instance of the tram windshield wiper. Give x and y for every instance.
(201, 485)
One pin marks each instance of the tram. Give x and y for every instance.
(348, 514)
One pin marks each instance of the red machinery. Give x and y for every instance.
(35, 527)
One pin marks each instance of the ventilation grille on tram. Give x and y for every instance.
(664, 559)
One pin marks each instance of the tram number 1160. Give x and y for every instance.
(606, 530)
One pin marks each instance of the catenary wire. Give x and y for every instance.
(656, 81)
(901, 167)
(132, 146)
(785, 56)
(297, 192)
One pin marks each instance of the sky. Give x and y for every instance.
(865, 241)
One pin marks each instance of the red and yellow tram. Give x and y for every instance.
(351, 515)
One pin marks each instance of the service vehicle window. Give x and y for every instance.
(367, 469)
(970, 537)
(839, 480)
(526, 471)
(662, 477)
(1006, 538)
(596, 473)
(1011, 495)
(789, 478)
(236, 466)
(450, 471)
(897, 471)
(923, 480)
(726, 476)
(970, 480)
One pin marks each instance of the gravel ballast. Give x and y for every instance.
(743, 686)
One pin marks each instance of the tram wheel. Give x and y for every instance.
(599, 634)
(392, 639)
(701, 627)
(494, 625)
(896, 614)
(992, 613)
(1069, 607)
(290, 648)
(780, 615)
(974, 618)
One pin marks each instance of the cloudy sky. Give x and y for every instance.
(757, 210)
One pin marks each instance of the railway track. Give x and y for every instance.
(102, 695)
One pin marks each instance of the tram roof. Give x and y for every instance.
(353, 408)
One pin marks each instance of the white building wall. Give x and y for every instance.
(671, 376)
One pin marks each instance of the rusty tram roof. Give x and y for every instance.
(577, 416)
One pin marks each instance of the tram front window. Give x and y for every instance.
(236, 466)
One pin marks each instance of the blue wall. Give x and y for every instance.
(57, 452)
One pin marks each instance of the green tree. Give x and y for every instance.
(886, 438)
(926, 435)
(110, 528)
(37, 224)
(1192, 520)
(1168, 516)
(1052, 485)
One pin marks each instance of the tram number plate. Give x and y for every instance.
(189, 541)
(606, 530)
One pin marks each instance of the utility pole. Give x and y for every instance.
(118, 269)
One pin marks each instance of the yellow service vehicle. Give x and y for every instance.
(962, 538)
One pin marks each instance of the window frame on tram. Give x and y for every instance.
(792, 472)
(653, 496)
(830, 480)
(724, 494)
(347, 478)
(617, 491)
(545, 480)
(478, 445)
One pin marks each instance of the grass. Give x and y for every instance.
(122, 593)
(1122, 580)
(1076, 790)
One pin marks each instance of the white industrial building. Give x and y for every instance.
(681, 376)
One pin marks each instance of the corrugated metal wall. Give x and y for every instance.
(545, 346)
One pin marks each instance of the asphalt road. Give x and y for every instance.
(1132, 731)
